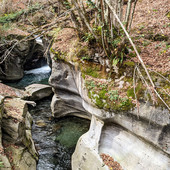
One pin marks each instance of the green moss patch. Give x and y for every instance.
(107, 96)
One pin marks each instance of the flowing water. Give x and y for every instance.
(38, 75)
(55, 139)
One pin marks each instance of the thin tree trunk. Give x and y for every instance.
(84, 19)
(121, 15)
(104, 41)
(116, 10)
(133, 11)
(96, 13)
(119, 8)
(129, 6)
(82, 6)
(80, 13)
(72, 16)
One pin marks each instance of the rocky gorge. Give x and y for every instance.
(134, 140)
(47, 126)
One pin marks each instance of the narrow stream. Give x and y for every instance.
(55, 139)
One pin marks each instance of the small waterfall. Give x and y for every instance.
(42, 70)
(38, 75)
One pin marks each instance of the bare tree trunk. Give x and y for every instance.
(96, 12)
(119, 8)
(72, 16)
(133, 11)
(116, 9)
(129, 6)
(80, 13)
(121, 14)
(82, 6)
(103, 26)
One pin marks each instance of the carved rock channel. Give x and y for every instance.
(135, 140)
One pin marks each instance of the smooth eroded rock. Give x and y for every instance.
(38, 91)
(130, 151)
(148, 128)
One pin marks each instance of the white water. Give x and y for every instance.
(38, 75)
(39, 40)
(42, 70)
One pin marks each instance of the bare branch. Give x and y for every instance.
(134, 89)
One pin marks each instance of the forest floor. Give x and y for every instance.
(151, 24)
(150, 33)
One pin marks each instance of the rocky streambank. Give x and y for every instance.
(130, 138)
(17, 149)
(137, 140)
(18, 54)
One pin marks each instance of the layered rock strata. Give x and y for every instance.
(17, 147)
(17, 150)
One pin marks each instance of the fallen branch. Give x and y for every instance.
(42, 29)
(134, 90)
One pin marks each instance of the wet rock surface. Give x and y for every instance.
(38, 91)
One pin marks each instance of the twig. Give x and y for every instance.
(134, 90)
(8, 52)
(85, 20)
(41, 29)
(164, 91)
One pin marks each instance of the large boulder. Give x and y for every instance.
(13, 61)
(20, 55)
(3, 158)
(87, 149)
(11, 92)
(37, 59)
(67, 100)
(113, 140)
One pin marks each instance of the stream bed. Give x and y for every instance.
(55, 139)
